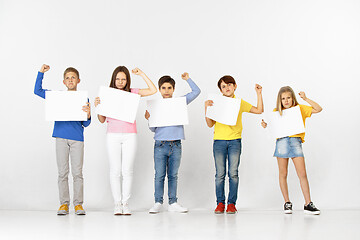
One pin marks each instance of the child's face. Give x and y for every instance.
(166, 90)
(286, 100)
(71, 81)
(120, 80)
(228, 89)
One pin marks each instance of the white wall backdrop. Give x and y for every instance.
(311, 45)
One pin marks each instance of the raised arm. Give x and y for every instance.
(209, 121)
(195, 90)
(151, 87)
(316, 107)
(38, 90)
(260, 105)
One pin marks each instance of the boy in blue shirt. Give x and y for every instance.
(167, 148)
(69, 141)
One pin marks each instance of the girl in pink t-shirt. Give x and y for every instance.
(121, 141)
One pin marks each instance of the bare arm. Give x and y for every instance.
(151, 87)
(209, 121)
(100, 117)
(260, 105)
(316, 107)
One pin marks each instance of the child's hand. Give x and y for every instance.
(44, 68)
(97, 101)
(302, 95)
(258, 88)
(263, 124)
(86, 109)
(137, 71)
(147, 115)
(185, 76)
(209, 103)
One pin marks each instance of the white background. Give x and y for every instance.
(310, 45)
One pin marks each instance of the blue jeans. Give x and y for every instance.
(167, 156)
(230, 150)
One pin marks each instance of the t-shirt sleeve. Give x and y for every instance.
(245, 106)
(135, 90)
(305, 111)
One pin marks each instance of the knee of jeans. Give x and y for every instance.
(173, 177)
(233, 174)
(220, 175)
(159, 176)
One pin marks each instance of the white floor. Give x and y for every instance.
(197, 224)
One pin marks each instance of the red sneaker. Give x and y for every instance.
(231, 209)
(220, 208)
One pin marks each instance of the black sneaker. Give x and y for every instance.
(311, 209)
(288, 208)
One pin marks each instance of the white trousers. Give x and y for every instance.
(121, 149)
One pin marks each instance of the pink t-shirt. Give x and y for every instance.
(118, 126)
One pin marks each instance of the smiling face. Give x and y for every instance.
(166, 90)
(71, 81)
(227, 89)
(120, 80)
(287, 100)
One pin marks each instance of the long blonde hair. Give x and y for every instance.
(279, 106)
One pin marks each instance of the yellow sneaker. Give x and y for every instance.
(63, 210)
(79, 210)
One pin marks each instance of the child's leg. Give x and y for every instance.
(220, 153)
(299, 163)
(173, 169)
(62, 159)
(77, 159)
(128, 157)
(161, 155)
(234, 151)
(283, 171)
(114, 152)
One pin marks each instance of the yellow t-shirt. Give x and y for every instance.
(227, 132)
(305, 113)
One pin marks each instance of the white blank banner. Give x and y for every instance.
(290, 123)
(225, 110)
(168, 112)
(65, 105)
(118, 104)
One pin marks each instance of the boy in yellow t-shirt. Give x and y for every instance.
(227, 145)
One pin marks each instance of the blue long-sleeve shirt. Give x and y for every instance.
(171, 133)
(73, 130)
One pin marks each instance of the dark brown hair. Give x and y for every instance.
(128, 80)
(71, 69)
(226, 79)
(166, 79)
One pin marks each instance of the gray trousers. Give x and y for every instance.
(64, 148)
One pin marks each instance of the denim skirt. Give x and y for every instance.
(288, 147)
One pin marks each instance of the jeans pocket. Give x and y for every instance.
(159, 144)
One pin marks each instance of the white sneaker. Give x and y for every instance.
(118, 209)
(175, 207)
(156, 208)
(126, 209)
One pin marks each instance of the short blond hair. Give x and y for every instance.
(71, 69)
(279, 106)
